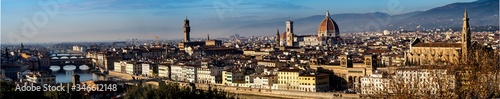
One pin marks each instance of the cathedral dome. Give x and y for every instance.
(283, 36)
(328, 27)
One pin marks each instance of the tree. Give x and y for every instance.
(7, 91)
(174, 90)
(474, 77)
(65, 95)
(479, 75)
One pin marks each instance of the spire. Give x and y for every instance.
(277, 36)
(465, 13)
(466, 20)
(7, 54)
(466, 38)
(277, 31)
(208, 36)
(327, 13)
(186, 17)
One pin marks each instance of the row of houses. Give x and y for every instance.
(260, 76)
(410, 80)
(135, 67)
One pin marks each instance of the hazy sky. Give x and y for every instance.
(112, 20)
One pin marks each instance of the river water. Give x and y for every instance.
(65, 74)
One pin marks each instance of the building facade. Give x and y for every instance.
(204, 74)
(424, 81)
(190, 74)
(440, 53)
(164, 71)
(176, 73)
(350, 71)
(146, 69)
(232, 77)
(288, 79)
(314, 82)
(376, 83)
(40, 78)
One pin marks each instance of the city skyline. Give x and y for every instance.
(83, 20)
(125, 49)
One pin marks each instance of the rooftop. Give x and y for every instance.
(437, 44)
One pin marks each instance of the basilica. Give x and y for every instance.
(328, 34)
(440, 53)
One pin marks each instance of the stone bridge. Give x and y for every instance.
(70, 59)
(67, 56)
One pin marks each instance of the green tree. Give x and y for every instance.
(175, 91)
(7, 91)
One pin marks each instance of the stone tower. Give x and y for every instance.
(187, 29)
(277, 37)
(289, 33)
(466, 39)
(208, 37)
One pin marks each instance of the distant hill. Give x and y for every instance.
(481, 13)
(308, 25)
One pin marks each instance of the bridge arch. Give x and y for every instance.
(64, 57)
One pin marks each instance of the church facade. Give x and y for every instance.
(328, 34)
(439, 53)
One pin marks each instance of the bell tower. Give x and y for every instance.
(289, 32)
(277, 36)
(466, 39)
(187, 30)
(208, 37)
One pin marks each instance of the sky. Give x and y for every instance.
(36, 21)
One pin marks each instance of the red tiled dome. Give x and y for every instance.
(283, 36)
(328, 27)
